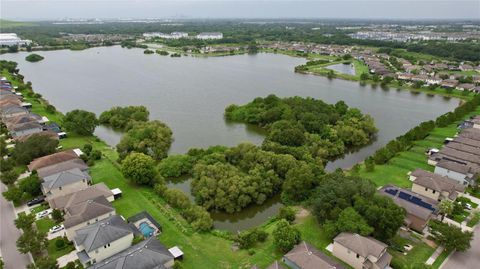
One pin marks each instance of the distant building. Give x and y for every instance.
(11, 39)
(173, 35)
(210, 35)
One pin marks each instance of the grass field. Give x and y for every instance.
(4, 24)
(395, 171)
(414, 258)
(55, 253)
(43, 225)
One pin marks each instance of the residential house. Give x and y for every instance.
(53, 159)
(103, 239)
(85, 213)
(435, 186)
(305, 256)
(465, 87)
(63, 166)
(449, 83)
(99, 189)
(49, 134)
(466, 67)
(25, 129)
(65, 182)
(148, 254)
(11, 110)
(419, 209)
(434, 81)
(361, 252)
(463, 173)
(18, 120)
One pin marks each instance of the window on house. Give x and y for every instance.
(60, 188)
(108, 244)
(96, 251)
(358, 256)
(433, 191)
(426, 189)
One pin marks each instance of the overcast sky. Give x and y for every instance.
(364, 9)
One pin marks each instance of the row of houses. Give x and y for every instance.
(457, 165)
(178, 35)
(17, 118)
(451, 82)
(359, 252)
(102, 238)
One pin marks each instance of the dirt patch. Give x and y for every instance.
(302, 213)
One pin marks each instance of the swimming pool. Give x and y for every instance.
(146, 229)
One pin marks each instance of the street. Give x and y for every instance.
(466, 260)
(8, 236)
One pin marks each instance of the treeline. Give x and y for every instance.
(306, 128)
(235, 31)
(402, 143)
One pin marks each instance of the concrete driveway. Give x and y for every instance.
(466, 260)
(9, 235)
(70, 257)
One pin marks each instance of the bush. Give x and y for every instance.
(34, 58)
(60, 243)
(139, 168)
(176, 165)
(287, 213)
(8, 177)
(177, 198)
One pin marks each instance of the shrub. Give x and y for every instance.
(60, 243)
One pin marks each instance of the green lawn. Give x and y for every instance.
(55, 253)
(440, 259)
(43, 225)
(38, 209)
(417, 256)
(395, 171)
(474, 220)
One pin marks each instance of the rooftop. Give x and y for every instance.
(86, 211)
(306, 256)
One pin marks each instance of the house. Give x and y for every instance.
(63, 166)
(404, 76)
(210, 35)
(434, 81)
(148, 254)
(466, 67)
(12, 110)
(435, 186)
(463, 173)
(305, 256)
(25, 129)
(83, 214)
(465, 87)
(361, 252)
(49, 134)
(99, 189)
(449, 83)
(103, 239)
(65, 182)
(52, 159)
(13, 121)
(419, 209)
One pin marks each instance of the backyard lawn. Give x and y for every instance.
(417, 256)
(56, 253)
(395, 171)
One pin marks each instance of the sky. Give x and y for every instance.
(341, 9)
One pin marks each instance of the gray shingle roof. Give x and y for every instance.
(64, 178)
(306, 256)
(148, 254)
(87, 210)
(437, 182)
(63, 166)
(101, 233)
(80, 196)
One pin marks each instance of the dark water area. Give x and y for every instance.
(190, 95)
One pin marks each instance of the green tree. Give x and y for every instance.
(25, 222)
(177, 198)
(287, 213)
(285, 236)
(13, 194)
(176, 165)
(31, 185)
(35, 146)
(139, 168)
(348, 221)
(445, 208)
(44, 263)
(364, 76)
(32, 241)
(8, 177)
(299, 182)
(80, 121)
(451, 236)
(153, 138)
(57, 215)
(198, 217)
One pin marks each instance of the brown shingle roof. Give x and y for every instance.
(52, 159)
(437, 182)
(63, 166)
(364, 246)
(306, 256)
(99, 189)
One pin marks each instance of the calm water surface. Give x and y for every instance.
(190, 95)
(342, 68)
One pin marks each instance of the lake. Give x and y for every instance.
(191, 93)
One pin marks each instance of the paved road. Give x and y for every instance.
(469, 259)
(8, 236)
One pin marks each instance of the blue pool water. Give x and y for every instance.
(146, 229)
